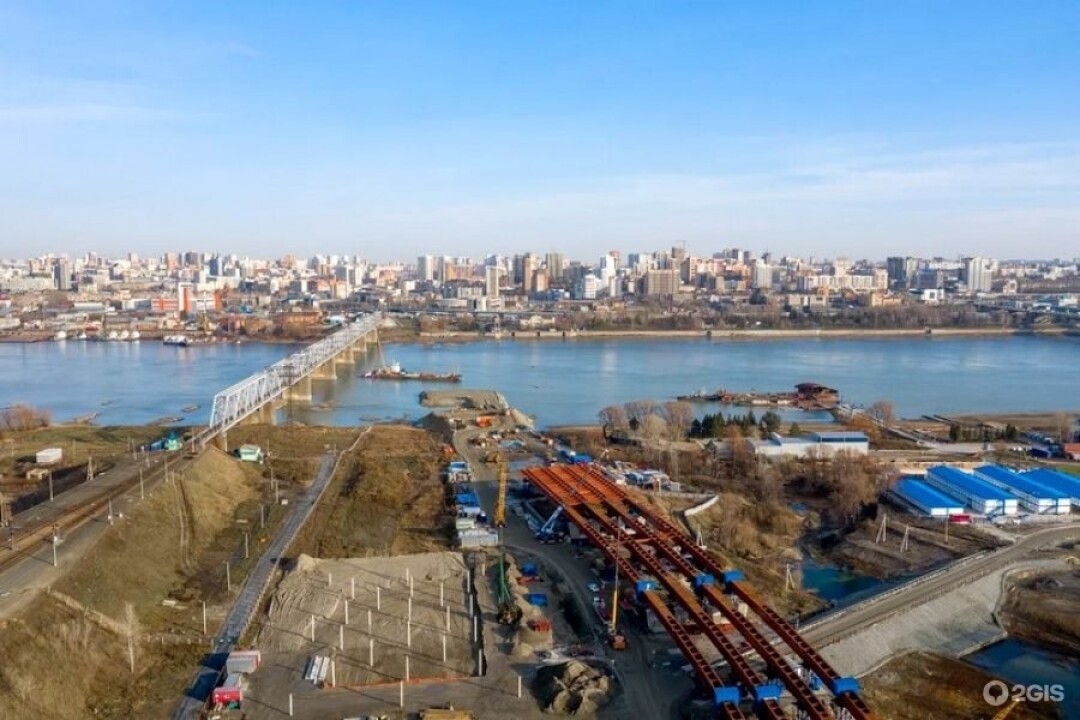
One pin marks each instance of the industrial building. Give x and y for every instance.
(1056, 480)
(1033, 495)
(926, 499)
(817, 444)
(981, 496)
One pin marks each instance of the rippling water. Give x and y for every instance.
(558, 381)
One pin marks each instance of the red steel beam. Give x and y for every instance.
(557, 476)
(800, 690)
(806, 652)
(708, 676)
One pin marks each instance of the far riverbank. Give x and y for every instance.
(725, 334)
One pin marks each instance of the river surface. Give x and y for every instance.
(1019, 662)
(560, 382)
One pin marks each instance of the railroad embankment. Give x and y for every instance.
(133, 601)
(953, 623)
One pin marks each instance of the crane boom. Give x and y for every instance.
(500, 503)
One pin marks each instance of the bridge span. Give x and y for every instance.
(290, 375)
(685, 588)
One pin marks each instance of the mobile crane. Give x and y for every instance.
(499, 520)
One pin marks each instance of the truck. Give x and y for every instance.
(230, 694)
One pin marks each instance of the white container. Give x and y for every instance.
(49, 456)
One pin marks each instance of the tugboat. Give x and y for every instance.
(394, 371)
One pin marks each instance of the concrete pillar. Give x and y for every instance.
(301, 390)
(267, 414)
(326, 371)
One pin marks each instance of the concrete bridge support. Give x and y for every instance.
(300, 390)
(326, 371)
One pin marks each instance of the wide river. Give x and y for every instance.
(560, 382)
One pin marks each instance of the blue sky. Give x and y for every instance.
(388, 129)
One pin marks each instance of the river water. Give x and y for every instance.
(1019, 662)
(560, 382)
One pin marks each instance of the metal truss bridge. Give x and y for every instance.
(240, 401)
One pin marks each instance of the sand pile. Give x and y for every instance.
(572, 688)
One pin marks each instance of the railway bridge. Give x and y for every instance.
(257, 397)
(684, 588)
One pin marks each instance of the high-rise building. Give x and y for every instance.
(62, 275)
(978, 274)
(609, 266)
(762, 276)
(555, 263)
(539, 281)
(524, 265)
(662, 283)
(587, 288)
(491, 281)
(425, 268)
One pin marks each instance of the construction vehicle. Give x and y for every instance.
(616, 639)
(500, 502)
(509, 612)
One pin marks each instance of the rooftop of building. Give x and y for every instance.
(970, 484)
(1020, 483)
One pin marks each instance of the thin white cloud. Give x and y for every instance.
(81, 112)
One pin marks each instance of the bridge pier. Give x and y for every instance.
(268, 413)
(300, 390)
(326, 371)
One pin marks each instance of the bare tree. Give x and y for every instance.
(678, 415)
(638, 410)
(613, 417)
(882, 411)
(23, 417)
(653, 428)
(1063, 426)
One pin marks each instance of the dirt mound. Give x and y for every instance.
(572, 688)
(387, 499)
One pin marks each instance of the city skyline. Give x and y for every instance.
(396, 131)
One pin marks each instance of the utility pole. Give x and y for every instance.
(51, 496)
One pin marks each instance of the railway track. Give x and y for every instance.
(22, 541)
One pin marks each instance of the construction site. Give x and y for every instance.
(378, 620)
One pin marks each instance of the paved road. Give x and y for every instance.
(834, 627)
(247, 600)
